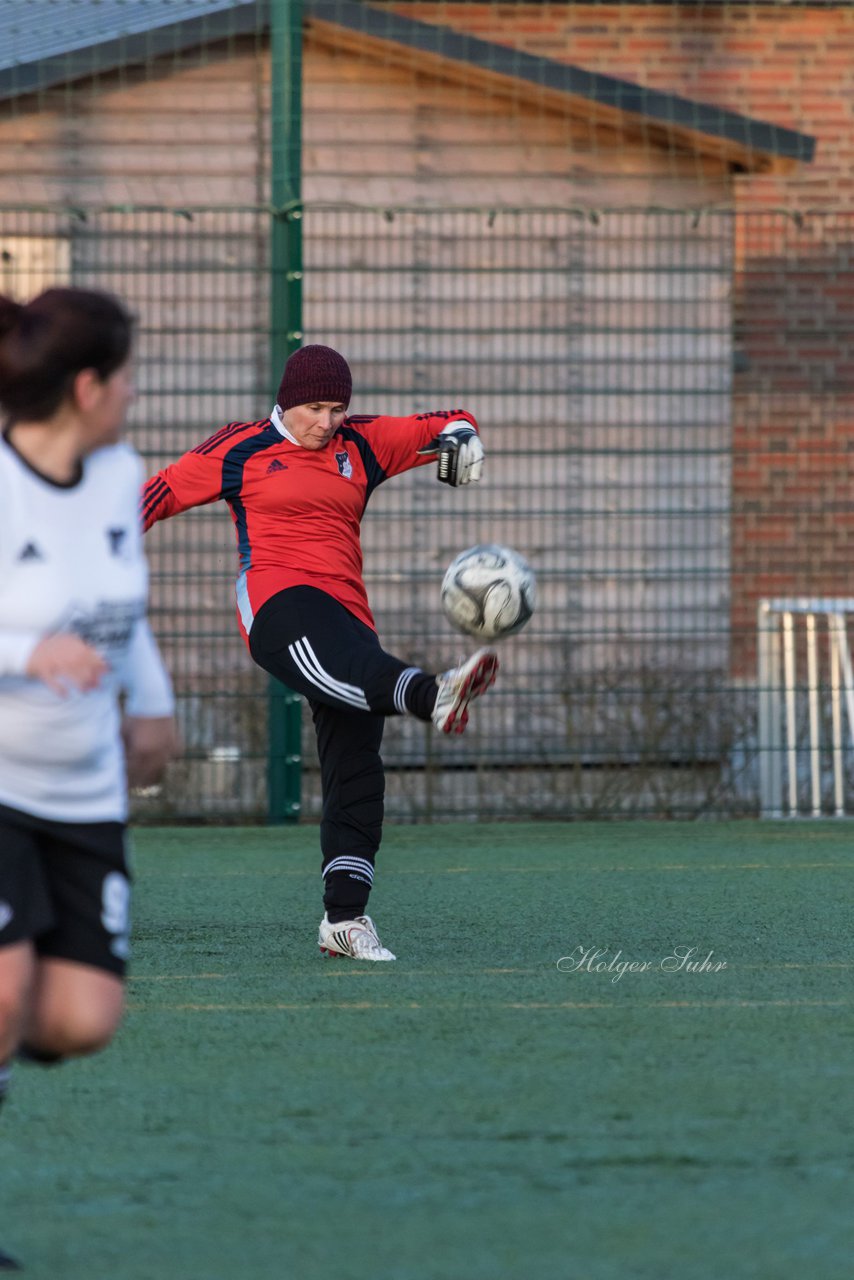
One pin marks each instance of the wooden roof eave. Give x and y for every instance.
(629, 124)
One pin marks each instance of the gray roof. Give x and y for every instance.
(46, 42)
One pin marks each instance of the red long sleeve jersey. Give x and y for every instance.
(296, 511)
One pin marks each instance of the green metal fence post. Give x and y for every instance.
(284, 764)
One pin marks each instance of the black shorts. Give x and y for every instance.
(65, 886)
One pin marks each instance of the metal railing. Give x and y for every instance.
(802, 738)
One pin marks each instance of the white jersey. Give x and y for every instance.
(71, 561)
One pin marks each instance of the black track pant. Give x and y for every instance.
(318, 648)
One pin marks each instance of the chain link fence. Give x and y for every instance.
(659, 391)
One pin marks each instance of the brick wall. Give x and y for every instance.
(793, 407)
(793, 446)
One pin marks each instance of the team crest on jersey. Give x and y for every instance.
(345, 466)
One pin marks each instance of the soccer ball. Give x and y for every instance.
(489, 592)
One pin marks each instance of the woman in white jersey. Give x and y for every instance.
(73, 638)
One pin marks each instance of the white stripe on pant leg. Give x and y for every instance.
(306, 660)
(343, 689)
(403, 682)
(351, 864)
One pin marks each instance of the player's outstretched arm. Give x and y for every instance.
(193, 481)
(395, 445)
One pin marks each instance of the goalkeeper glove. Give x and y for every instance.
(460, 453)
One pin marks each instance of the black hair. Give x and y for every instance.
(45, 343)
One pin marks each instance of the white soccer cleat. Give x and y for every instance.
(354, 938)
(459, 686)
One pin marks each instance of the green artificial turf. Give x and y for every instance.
(471, 1111)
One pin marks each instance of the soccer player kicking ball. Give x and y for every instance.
(297, 484)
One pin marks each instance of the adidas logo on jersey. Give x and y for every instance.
(30, 552)
(275, 465)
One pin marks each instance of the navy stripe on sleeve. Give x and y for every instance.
(154, 493)
(219, 437)
(233, 465)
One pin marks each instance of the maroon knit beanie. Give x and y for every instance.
(312, 374)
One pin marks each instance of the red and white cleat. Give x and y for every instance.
(459, 686)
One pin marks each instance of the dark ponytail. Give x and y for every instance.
(47, 342)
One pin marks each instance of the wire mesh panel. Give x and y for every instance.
(640, 463)
(198, 283)
(596, 353)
